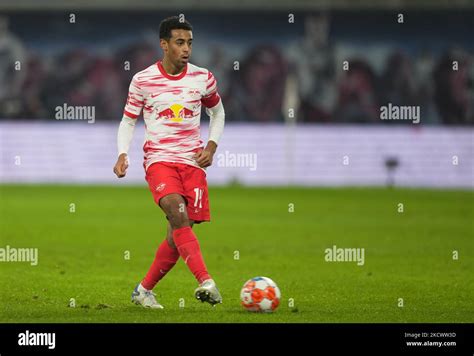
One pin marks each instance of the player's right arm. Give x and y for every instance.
(132, 110)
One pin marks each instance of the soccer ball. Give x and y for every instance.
(260, 294)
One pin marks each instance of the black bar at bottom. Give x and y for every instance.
(427, 339)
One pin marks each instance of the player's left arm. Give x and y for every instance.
(215, 109)
(216, 127)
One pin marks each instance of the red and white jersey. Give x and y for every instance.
(171, 110)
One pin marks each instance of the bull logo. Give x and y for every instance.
(176, 113)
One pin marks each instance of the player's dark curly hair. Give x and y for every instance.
(173, 23)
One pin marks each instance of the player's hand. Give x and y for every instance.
(121, 166)
(204, 157)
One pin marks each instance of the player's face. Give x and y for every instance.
(178, 49)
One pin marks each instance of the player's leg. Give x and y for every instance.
(206, 289)
(174, 206)
(165, 258)
(195, 188)
(169, 235)
(162, 179)
(187, 244)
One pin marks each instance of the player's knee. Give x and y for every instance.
(178, 220)
(175, 208)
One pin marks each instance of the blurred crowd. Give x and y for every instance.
(306, 81)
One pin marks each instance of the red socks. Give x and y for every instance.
(188, 248)
(165, 258)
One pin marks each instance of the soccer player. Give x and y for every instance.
(171, 93)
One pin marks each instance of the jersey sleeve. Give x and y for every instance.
(135, 102)
(211, 96)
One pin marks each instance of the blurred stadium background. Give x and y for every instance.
(290, 104)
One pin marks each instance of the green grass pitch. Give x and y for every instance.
(82, 254)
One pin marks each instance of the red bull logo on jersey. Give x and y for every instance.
(176, 113)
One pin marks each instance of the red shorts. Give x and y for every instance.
(167, 177)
